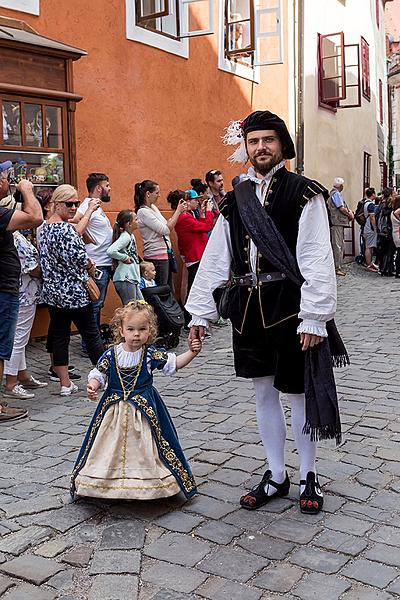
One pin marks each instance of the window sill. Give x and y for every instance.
(240, 70)
(27, 6)
(151, 38)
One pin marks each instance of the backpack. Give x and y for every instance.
(359, 215)
(384, 223)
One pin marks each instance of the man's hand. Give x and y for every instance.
(308, 340)
(197, 332)
(24, 186)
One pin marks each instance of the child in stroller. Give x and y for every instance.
(169, 313)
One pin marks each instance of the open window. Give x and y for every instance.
(197, 18)
(176, 19)
(332, 75)
(352, 83)
(380, 102)
(339, 72)
(365, 77)
(253, 31)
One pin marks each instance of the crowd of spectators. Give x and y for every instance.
(380, 232)
(55, 248)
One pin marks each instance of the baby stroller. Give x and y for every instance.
(169, 314)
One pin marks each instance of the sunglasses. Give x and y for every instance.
(71, 204)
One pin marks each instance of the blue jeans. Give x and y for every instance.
(127, 291)
(9, 305)
(102, 284)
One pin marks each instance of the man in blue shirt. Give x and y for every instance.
(340, 215)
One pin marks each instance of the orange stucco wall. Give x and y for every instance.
(147, 113)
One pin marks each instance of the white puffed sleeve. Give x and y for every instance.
(315, 260)
(100, 377)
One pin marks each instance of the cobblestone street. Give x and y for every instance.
(209, 547)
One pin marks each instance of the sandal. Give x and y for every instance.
(312, 499)
(258, 497)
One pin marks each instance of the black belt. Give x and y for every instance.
(253, 280)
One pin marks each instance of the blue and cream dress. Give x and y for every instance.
(131, 450)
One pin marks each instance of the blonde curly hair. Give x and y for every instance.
(129, 309)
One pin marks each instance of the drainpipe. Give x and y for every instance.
(299, 47)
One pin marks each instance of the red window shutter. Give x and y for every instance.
(381, 102)
(366, 87)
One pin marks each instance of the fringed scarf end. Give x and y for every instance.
(324, 432)
(341, 360)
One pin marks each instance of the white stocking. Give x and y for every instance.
(272, 427)
(306, 449)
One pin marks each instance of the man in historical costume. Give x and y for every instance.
(272, 242)
(341, 216)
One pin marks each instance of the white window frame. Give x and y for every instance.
(28, 6)
(185, 8)
(226, 64)
(152, 38)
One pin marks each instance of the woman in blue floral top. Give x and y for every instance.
(66, 268)
(18, 378)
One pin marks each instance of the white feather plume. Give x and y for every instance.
(234, 136)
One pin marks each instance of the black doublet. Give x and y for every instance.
(277, 301)
(264, 318)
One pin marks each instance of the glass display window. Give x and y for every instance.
(34, 136)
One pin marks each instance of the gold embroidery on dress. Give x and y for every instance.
(127, 487)
(125, 442)
(166, 450)
(169, 454)
(158, 355)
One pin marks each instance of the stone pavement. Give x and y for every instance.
(210, 548)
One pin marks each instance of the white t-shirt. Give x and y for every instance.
(100, 230)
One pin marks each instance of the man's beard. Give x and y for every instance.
(105, 196)
(265, 167)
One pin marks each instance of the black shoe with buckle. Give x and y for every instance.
(312, 499)
(258, 497)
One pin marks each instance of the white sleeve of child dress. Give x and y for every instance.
(166, 365)
(100, 377)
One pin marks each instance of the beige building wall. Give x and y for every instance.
(335, 142)
(392, 22)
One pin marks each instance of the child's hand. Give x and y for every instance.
(92, 393)
(195, 346)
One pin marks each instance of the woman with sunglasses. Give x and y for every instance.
(66, 268)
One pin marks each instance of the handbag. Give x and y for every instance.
(92, 289)
(222, 299)
(173, 265)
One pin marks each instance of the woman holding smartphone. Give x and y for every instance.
(65, 271)
(155, 229)
(192, 232)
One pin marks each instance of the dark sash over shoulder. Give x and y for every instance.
(322, 412)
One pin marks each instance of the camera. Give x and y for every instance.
(12, 182)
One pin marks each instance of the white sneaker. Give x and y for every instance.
(68, 390)
(19, 392)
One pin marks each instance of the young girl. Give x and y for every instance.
(148, 273)
(123, 250)
(131, 450)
